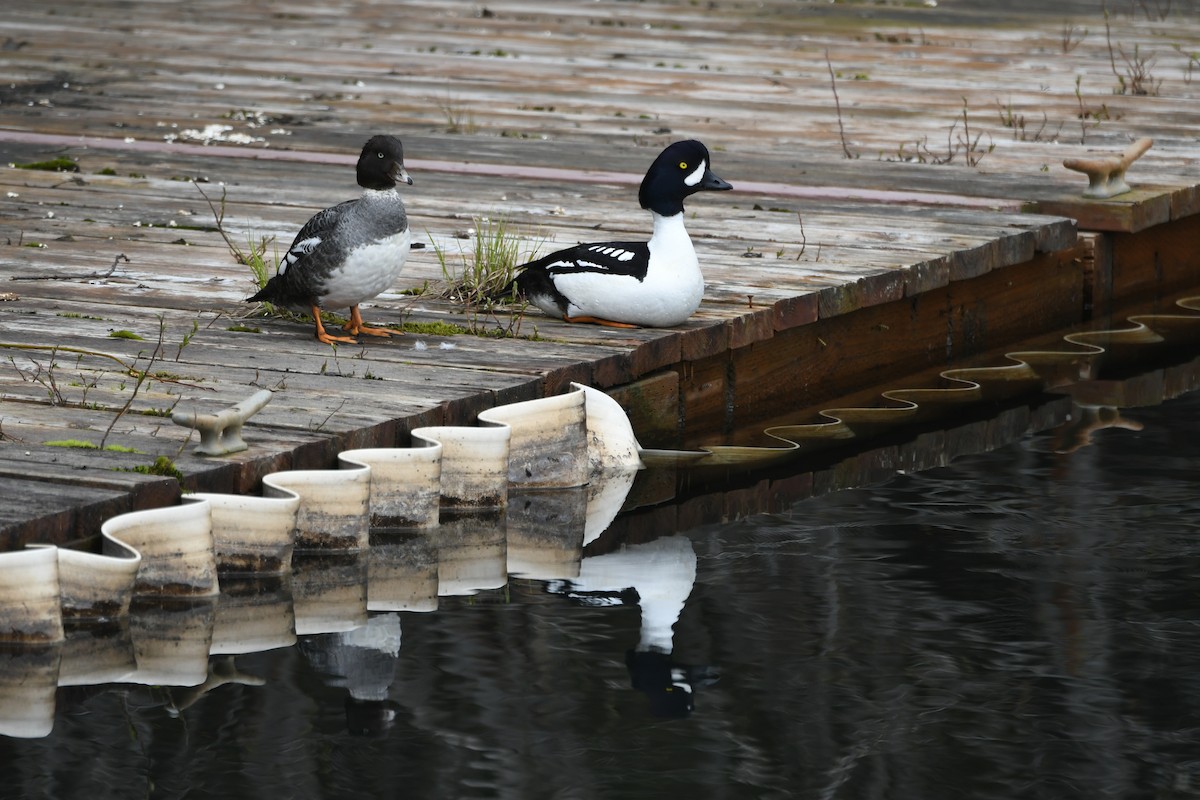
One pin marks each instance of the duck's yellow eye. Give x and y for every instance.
(683, 165)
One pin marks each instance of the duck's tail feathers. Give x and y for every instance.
(268, 293)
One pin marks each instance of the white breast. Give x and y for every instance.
(668, 295)
(367, 271)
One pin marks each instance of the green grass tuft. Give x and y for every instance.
(479, 281)
(254, 256)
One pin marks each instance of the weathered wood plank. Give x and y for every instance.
(64, 465)
(740, 87)
(53, 513)
(886, 261)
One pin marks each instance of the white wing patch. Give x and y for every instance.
(298, 249)
(618, 253)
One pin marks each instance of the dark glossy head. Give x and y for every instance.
(679, 171)
(381, 165)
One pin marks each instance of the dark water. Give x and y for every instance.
(1021, 624)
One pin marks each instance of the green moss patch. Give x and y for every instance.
(60, 164)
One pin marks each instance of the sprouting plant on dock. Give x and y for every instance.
(187, 338)
(1088, 117)
(804, 240)
(316, 427)
(1193, 62)
(970, 147)
(1138, 77)
(1159, 10)
(958, 142)
(44, 376)
(837, 104)
(1072, 36)
(459, 119)
(485, 271)
(140, 378)
(1016, 122)
(254, 256)
(85, 384)
(74, 389)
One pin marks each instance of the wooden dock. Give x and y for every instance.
(900, 205)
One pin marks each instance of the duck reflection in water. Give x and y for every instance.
(1085, 421)
(363, 661)
(657, 576)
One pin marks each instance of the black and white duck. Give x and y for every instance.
(631, 284)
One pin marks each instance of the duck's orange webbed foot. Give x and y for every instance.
(355, 326)
(324, 336)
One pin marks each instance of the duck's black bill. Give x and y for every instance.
(711, 182)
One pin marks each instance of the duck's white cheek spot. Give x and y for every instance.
(697, 175)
